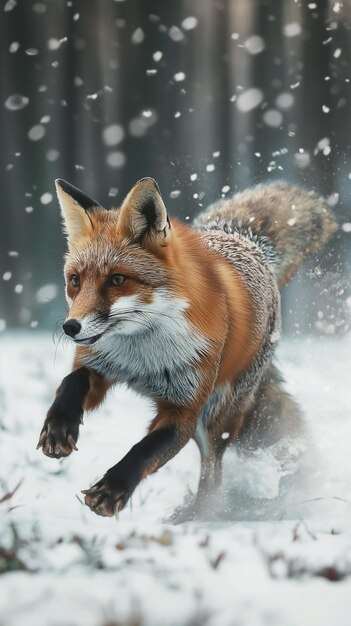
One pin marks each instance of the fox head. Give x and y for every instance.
(116, 270)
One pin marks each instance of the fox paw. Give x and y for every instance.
(106, 497)
(57, 440)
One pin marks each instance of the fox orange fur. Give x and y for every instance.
(187, 316)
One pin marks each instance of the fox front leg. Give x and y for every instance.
(168, 434)
(59, 434)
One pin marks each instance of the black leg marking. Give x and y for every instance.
(110, 495)
(61, 428)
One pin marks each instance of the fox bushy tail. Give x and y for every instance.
(293, 221)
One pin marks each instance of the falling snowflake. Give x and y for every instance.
(175, 194)
(271, 117)
(16, 102)
(113, 134)
(37, 132)
(255, 44)
(285, 100)
(46, 293)
(116, 159)
(46, 198)
(189, 23)
(175, 33)
(292, 30)
(179, 76)
(249, 99)
(138, 36)
(10, 4)
(14, 46)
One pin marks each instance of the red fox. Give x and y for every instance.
(186, 316)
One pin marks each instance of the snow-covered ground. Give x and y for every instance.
(71, 567)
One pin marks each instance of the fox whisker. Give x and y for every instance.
(57, 328)
(61, 338)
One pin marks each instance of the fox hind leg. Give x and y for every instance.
(211, 452)
(260, 420)
(257, 421)
(217, 426)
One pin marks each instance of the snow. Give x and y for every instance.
(249, 99)
(247, 568)
(255, 44)
(116, 159)
(9, 5)
(175, 33)
(14, 47)
(52, 155)
(138, 36)
(302, 159)
(175, 194)
(285, 101)
(189, 23)
(113, 134)
(46, 293)
(272, 117)
(292, 30)
(16, 102)
(179, 76)
(157, 56)
(138, 126)
(46, 197)
(32, 52)
(55, 44)
(37, 132)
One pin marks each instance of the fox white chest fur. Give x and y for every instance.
(155, 351)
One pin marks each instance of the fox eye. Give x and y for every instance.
(74, 280)
(116, 280)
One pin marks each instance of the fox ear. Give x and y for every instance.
(143, 217)
(75, 207)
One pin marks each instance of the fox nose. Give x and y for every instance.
(71, 327)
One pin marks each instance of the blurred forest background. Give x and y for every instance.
(206, 96)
